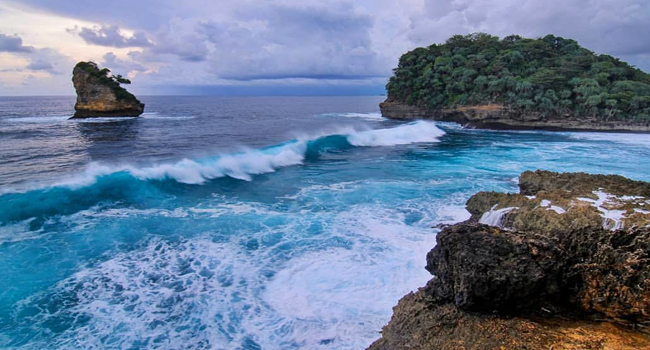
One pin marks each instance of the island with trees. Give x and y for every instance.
(101, 95)
(549, 83)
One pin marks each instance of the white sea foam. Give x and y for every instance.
(421, 131)
(545, 203)
(494, 217)
(612, 218)
(198, 291)
(37, 120)
(450, 214)
(158, 116)
(367, 116)
(325, 294)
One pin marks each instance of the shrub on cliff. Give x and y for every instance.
(550, 75)
(112, 81)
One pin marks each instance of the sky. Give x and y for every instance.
(280, 47)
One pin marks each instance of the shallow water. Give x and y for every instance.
(248, 223)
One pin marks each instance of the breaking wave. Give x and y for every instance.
(101, 182)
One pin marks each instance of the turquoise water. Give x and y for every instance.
(242, 223)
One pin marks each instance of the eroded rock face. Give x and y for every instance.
(485, 269)
(502, 117)
(541, 276)
(100, 96)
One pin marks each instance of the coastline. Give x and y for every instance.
(498, 117)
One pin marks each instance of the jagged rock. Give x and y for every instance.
(483, 268)
(540, 278)
(99, 95)
(493, 116)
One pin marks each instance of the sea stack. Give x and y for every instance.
(100, 95)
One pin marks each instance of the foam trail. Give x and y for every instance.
(494, 217)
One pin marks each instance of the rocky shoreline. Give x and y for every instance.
(563, 264)
(494, 116)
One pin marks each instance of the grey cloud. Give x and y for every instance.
(41, 65)
(49, 61)
(279, 42)
(616, 27)
(111, 36)
(123, 67)
(13, 44)
(181, 39)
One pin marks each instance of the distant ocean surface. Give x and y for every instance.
(242, 222)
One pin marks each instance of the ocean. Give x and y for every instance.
(242, 222)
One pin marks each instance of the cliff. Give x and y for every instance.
(99, 95)
(564, 264)
(497, 116)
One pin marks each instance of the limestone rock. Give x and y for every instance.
(538, 277)
(99, 95)
(494, 116)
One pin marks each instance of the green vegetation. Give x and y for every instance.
(550, 75)
(113, 81)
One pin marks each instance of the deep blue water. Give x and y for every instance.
(241, 223)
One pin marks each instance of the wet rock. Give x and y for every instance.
(542, 278)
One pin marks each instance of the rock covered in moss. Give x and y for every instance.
(538, 277)
(99, 95)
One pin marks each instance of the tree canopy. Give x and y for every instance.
(113, 81)
(550, 75)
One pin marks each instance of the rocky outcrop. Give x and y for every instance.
(99, 95)
(494, 116)
(581, 283)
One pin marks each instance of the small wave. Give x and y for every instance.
(158, 116)
(367, 116)
(38, 120)
(103, 119)
(626, 138)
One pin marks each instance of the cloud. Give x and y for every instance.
(180, 37)
(50, 61)
(302, 41)
(119, 66)
(245, 42)
(111, 36)
(13, 44)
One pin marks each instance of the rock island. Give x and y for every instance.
(100, 95)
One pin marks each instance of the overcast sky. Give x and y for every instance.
(279, 46)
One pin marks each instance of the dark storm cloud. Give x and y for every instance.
(13, 44)
(111, 36)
